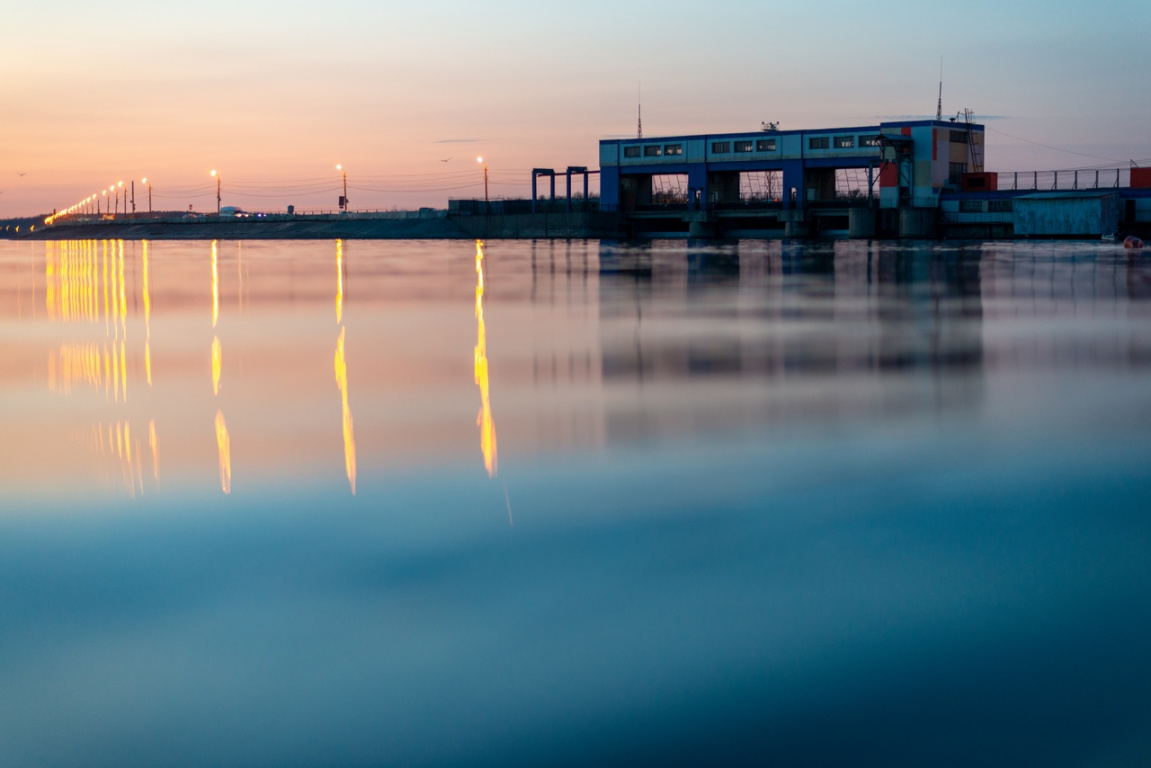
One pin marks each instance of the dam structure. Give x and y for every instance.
(800, 177)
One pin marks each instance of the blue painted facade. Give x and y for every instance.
(923, 164)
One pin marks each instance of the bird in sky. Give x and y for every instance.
(21, 174)
(444, 161)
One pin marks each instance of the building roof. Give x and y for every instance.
(1069, 194)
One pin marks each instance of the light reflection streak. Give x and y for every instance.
(124, 370)
(349, 434)
(123, 293)
(152, 446)
(484, 420)
(84, 279)
(147, 320)
(217, 363)
(339, 281)
(104, 262)
(225, 446)
(74, 365)
(215, 286)
(115, 440)
(116, 371)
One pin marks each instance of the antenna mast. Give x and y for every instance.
(939, 104)
(639, 113)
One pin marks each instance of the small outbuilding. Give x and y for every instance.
(1075, 213)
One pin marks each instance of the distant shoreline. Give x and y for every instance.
(400, 225)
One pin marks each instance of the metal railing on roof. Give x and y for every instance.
(1046, 181)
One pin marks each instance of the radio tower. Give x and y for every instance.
(639, 114)
(939, 104)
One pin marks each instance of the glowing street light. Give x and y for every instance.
(480, 160)
(145, 181)
(344, 199)
(217, 177)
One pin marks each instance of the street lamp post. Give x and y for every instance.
(120, 186)
(344, 199)
(480, 160)
(145, 181)
(217, 177)
(133, 198)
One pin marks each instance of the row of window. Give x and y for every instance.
(747, 146)
(993, 206)
(841, 142)
(759, 145)
(653, 150)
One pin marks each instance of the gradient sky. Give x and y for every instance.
(274, 94)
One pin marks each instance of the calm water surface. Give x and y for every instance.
(514, 503)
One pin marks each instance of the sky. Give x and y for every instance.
(273, 95)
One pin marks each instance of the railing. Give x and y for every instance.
(1041, 181)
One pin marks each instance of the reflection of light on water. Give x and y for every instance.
(215, 286)
(339, 281)
(104, 265)
(147, 320)
(152, 446)
(77, 284)
(72, 277)
(74, 365)
(217, 362)
(349, 435)
(116, 371)
(225, 446)
(84, 280)
(124, 370)
(484, 420)
(123, 292)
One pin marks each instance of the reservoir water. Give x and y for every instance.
(571, 503)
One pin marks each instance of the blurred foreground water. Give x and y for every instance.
(515, 503)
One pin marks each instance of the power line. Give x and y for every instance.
(1057, 149)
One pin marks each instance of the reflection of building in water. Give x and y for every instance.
(814, 331)
(563, 340)
(1053, 303)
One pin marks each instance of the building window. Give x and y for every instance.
(955, 172)
(720, 147)
(1000, 206)
(971, 206)
(631, 151)
(765, 145)
(818, 142)
(959, 137)
(869, 141)
(652, 150)
(844, 142)
(673, 149)
(743, 146)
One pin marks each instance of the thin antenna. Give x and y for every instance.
(639, 112)
(939, 105)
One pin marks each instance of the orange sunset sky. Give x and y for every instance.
(274, 95)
